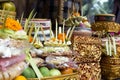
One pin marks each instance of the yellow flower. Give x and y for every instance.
(12, 24)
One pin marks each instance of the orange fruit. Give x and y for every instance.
(118, 49)
(20, 78)
(1, 26)
(67, 71)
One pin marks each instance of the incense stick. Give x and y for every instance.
(63, 31)
(110, 47)
(107, 49)
(56, 28)
(60, 30)
(114, 45)
(68, 31)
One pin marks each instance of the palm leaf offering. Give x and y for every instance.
(58, 45)
(111, 46)
(14, 42)
(53, 58)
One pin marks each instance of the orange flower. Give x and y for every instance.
(12, 24)
(61, 36)
(76, 14)
(30, 39)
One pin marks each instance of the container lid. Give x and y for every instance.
(105, 15)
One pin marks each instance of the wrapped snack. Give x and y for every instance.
(61, 62)
(13, 71)
(86, 49)
(89, 71)
(57, 59)
(57, 51)
(39, 61)
(87, 54)
(6, 62)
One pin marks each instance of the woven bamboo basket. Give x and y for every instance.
(73, 76)
(5, 13)
(110, 72)
(110, 60)
(110, 67)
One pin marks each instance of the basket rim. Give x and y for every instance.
(72, 74)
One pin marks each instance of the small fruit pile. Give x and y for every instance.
(7, 9)
(8, 5)
(46, 72)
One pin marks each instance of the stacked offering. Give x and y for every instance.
(53, 57)
(105, 25)
(13, 43)
(86, 49)
(110, 60)
(87, 54)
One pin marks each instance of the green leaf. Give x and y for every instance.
(28, 19)
(21, 18)
(32, 63)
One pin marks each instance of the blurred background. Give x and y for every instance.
(93, 7)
